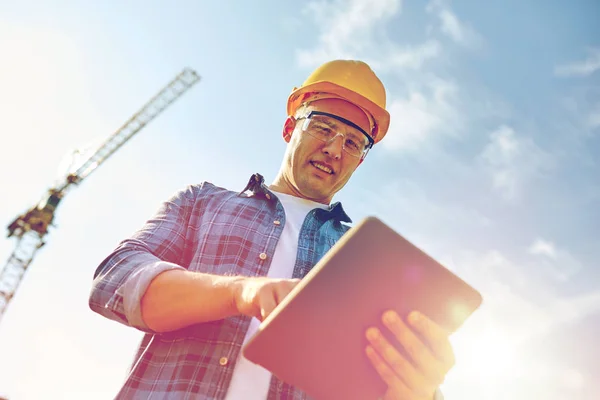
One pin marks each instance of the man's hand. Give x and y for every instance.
(429, 356)
(258, 297)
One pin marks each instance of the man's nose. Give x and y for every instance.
(334, 147)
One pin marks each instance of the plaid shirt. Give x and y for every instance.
(213, 230)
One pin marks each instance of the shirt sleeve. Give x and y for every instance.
(122, 278)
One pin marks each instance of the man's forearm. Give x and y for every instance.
(178, 298)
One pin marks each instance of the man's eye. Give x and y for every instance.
(322, 130)
(352, 143)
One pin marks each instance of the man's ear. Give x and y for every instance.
(288, 128)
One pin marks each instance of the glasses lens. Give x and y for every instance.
(324, 129)
(321, 128)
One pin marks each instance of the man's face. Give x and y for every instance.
(317, 169)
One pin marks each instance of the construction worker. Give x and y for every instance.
(194, 276)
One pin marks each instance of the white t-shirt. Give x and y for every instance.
(251, 381)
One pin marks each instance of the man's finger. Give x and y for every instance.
(283, 289)
(402, 367)
(385, 372)
(267, 305)
(435, 336)
(418, 351)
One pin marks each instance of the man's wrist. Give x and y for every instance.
(234, 287)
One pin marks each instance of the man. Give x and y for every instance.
(212, 263)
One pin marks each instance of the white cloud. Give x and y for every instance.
(418, 117)
(349, 28)
(543, 247)
(412, 121)
(559, 263)
(356, 29)
(451, 26)
(500, 154)
(512, 161)
(581, 68)
(583, 116)
(593, 120)
(519, 304)
(413, 57)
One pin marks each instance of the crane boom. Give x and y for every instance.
(147, 113)
(12, 274)
(31, 228)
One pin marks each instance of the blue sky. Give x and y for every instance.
(490, 165)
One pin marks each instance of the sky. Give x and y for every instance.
(491, 164)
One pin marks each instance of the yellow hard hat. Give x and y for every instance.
(351, 80)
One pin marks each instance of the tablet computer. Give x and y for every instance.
(315, 338)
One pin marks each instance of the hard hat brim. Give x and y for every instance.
(380, 115)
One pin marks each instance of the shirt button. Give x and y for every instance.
(262, 256)
(277, 222)
(223, 361)
(268, 196)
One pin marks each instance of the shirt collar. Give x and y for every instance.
(256, 184)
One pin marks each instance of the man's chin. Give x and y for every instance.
(310, 192)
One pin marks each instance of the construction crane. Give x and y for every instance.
(31, 228)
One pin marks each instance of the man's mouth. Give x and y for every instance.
(323, 167)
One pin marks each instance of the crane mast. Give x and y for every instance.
(31, 228)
